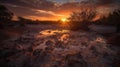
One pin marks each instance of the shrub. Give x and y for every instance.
(81, 19)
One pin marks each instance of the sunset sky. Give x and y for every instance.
(57, 9)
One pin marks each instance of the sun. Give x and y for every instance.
(64, 19)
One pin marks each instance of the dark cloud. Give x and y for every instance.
(39, 4)
(41, 8)
(105, 1)
(21, 11)
(48, 8)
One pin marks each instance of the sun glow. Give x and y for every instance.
(64, 19)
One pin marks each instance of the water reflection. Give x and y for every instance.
(65, 42)
(53, 32)
(54, 48)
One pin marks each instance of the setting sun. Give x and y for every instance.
(64, 19)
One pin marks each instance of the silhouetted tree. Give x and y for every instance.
(5, 14)
(24, 21)
(82, 18)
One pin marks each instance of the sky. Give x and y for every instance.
(64, 1)
(57, 9)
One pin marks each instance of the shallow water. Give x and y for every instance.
(61, 48)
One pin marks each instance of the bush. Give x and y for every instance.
(5, 14)
(81, 19)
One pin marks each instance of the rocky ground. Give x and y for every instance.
(45, 46)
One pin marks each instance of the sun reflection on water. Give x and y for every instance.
(53, 32)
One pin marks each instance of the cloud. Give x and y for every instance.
(33, 13)
(51, 10)
(37, 4)
(48, 12)
(105, 1)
